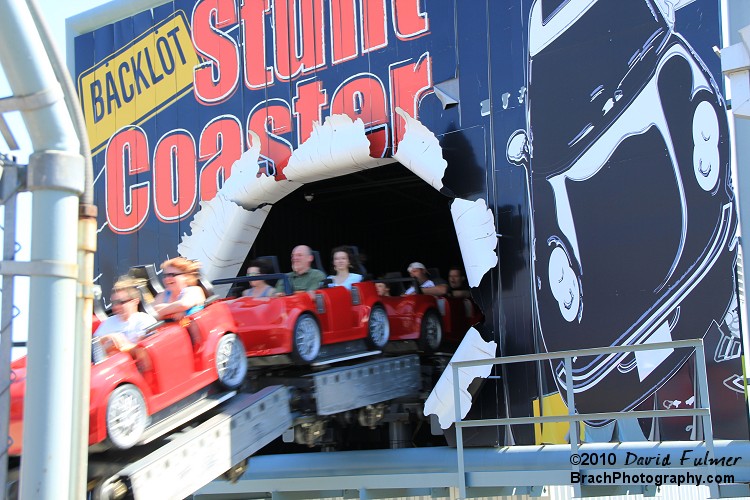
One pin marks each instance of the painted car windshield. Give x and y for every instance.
(613, 60)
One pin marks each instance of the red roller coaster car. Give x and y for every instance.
(128, 389)
(431, 321)
(299, 326)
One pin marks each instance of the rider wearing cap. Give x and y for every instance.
(418, 271)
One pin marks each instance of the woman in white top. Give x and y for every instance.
(343, 263)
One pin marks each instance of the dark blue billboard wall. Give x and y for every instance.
(627, 148)
(595, 131)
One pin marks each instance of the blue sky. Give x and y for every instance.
(55, 12)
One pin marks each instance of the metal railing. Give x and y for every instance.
(701, 408)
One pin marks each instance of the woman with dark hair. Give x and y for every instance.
(182, 295)
(343, 263)
(258, 288)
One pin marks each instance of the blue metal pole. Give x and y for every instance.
(56, 178)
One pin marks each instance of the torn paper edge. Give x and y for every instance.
(225, 228)
(477, 237)
(338, 147)
(245, 188)
(221, 234)
(420, 152)
(440, 402)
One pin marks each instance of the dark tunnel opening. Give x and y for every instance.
(390, 214)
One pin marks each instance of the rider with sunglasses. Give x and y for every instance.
(127, 324)
(182, 295)
(258, 288)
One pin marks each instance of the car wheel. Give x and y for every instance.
(431, 331)
(378, 329)
(306, 339)
(126, 416)
(231, 361)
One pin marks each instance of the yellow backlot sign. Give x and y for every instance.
(139, 80)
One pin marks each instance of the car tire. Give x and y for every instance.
(231, 361)
(431, 331)
(378, 328)
(306, 339)
(126, 416)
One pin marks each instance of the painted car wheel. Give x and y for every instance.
(306, 339)
(431, 331)
(231, 361)
(126, 416)
(378, 329)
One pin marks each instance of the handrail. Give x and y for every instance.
(288, 288)
(701, 408)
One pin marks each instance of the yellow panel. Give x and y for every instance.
(556, 432)
(155, 69)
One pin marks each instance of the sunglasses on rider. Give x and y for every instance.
(172, 275)
(117, 302)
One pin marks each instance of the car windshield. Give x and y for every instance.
(615, 59)
(549, 8)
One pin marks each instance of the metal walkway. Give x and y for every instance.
(619, 468)
(510, 470)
